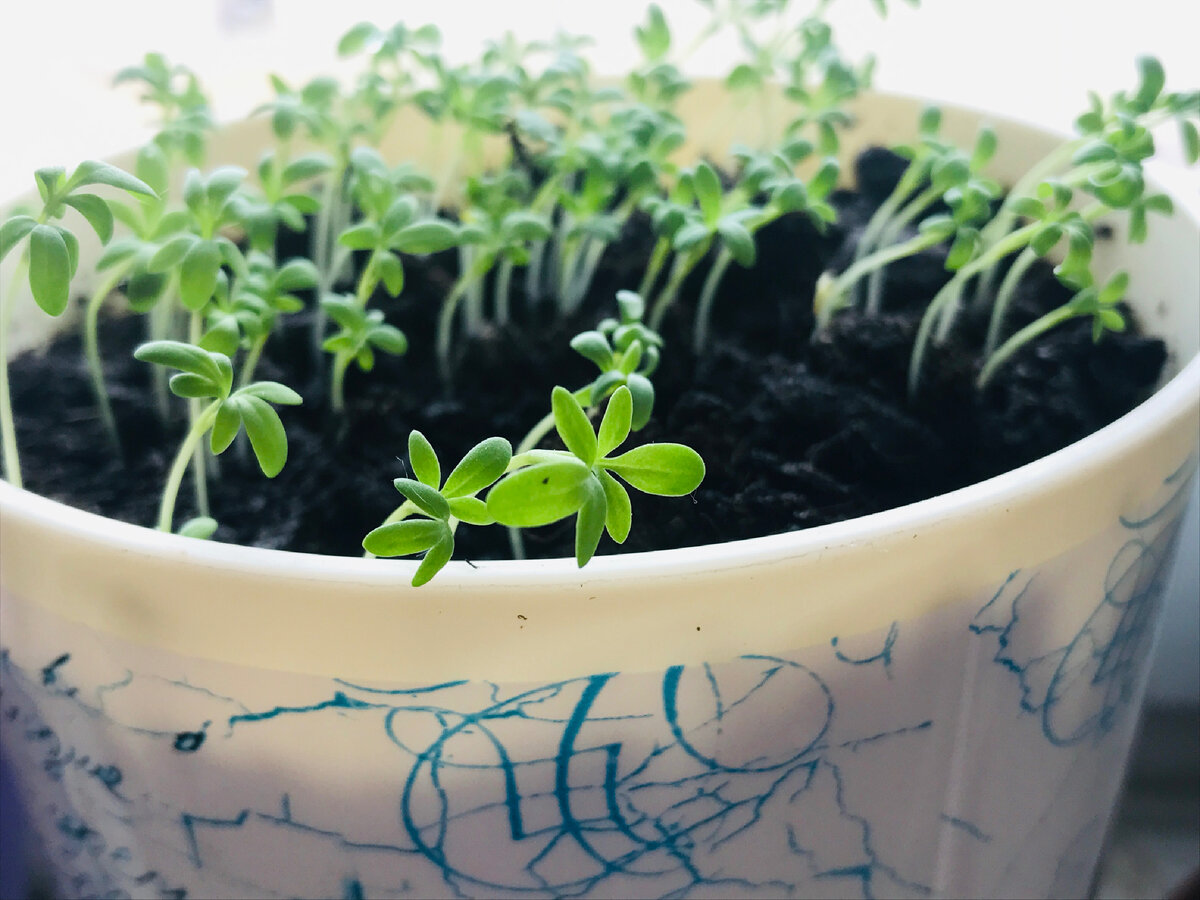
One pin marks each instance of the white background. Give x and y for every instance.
(1033, 59)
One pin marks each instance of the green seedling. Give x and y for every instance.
(362, 333)
(205, 375)
(1102, 304)
(185, 119)
(48, 260)
(438, 506)
(545, 486)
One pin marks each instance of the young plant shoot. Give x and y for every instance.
(208, 376)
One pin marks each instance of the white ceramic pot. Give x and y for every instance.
(933, 701)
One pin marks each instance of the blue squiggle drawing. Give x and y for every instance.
(1079, 689)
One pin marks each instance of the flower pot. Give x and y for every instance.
(935, 700)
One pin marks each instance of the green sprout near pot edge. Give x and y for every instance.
(49, 260)
(440, 506)
(535, 488)
(205, 375)
(556, 484)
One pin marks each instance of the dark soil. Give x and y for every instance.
(795, 433)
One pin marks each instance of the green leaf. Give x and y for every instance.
(743, 77)
(1151, 80)
(539, 494)
(422, 238)
(201, 527)
(423, 459)
(151, 167)
(225, 428)
(187, 384)
(389, 339)
(619, 512)
(738, 241)
(221, 184)
(273, 392)
(398, 215)
(1191, 141)
(668, 470)
(690, 236)
(223, 336)
(594, 346)
(308, 166)
(49, 181)
(435, 560)
(295, 275)
(572, 425)
(97, 213)
(364, 236)
(268, 439)
(13, 232)
(618, 417)
(49, 269)
(405, 537)
(654, 38)
(707, 186)
(426, 498)
(479, 468)
(642, 392)
(198, 274)
(93, 171)
(170, 254)
(589, 526)
(72, 244)
(471, 510)
(353, 41)
(391, 271)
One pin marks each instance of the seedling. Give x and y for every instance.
(49, 258)
(205, 375)
(545, 486)
(439, 506)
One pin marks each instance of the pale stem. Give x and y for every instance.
(1022, 337)
(337, 387)
(657, 257)
(680, 270)
(187, 449)
(91, 347)
(1004, 297)
(503, 289)
(888, 237)
(446, 321)
(199, 465)
(707, 294)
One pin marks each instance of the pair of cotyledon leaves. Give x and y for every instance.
(540, 487)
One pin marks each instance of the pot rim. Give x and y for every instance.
(1174, 401)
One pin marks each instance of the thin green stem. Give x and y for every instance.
(446, 318)
(708, 293)
(888, 236)
(950, 292)
(908, 183)
(250, 363)
(200, 427)
(1018, 340)
(337, 386)
(658, 257)
(199, 463)
(1004, 297)
(91, 348)
(503, 290)
(680, 269)
(832, 296)
(8, 431)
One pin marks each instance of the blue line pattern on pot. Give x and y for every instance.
(596, 800)
(884, 656)
(813, 773)
(1080, 688)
